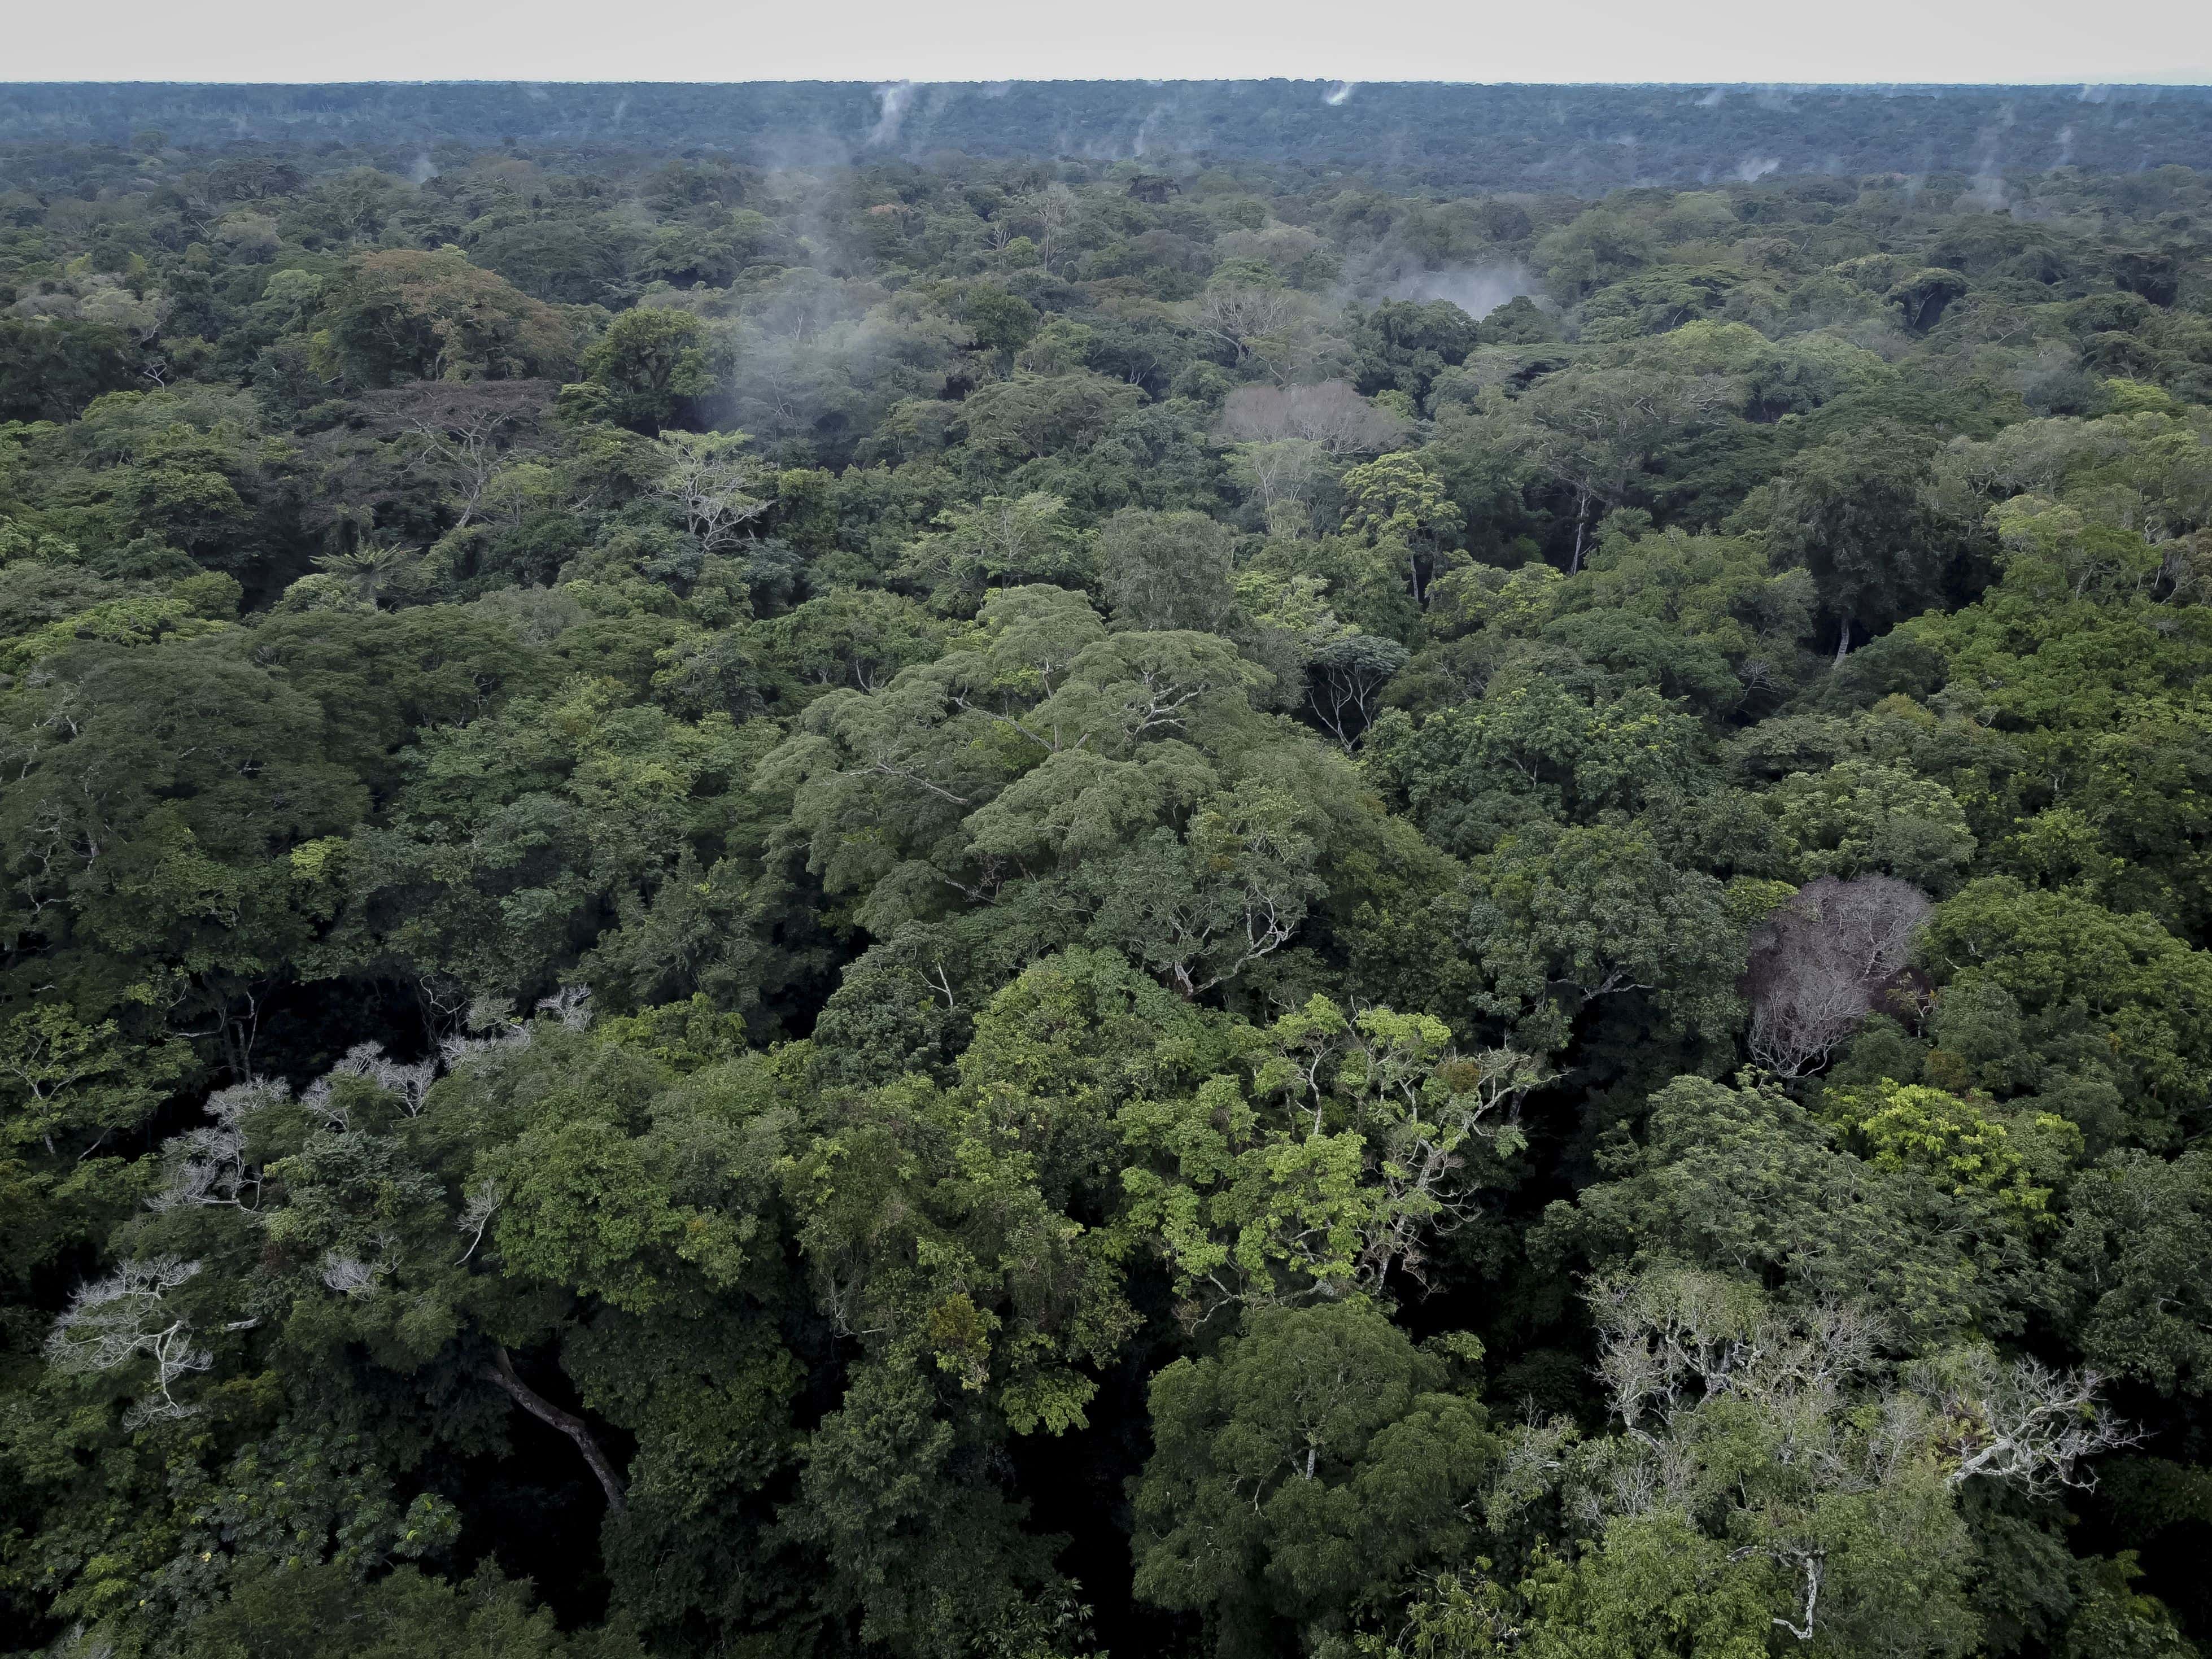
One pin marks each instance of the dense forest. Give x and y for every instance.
(1457, 139)
(963, 904)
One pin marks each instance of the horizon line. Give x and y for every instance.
(2195, 80)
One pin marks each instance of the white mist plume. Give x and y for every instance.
(1988, 193)
(1144, 131)
(893, 100)
(1338, 92)
(1476, 289)
(1752, 169)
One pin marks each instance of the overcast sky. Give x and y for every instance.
(1680, 40)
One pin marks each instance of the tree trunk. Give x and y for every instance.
(568, 1422)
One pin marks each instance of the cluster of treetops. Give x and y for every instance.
(956, 910)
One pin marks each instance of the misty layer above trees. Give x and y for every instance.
(1583, 138)
(1038, 908)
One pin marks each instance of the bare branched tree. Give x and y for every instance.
(124, 1317)
(350, 1275)
(1052, 210)
(1331, 415)
(1345, 683)
(494, 1036)
(1275, 329)
(482, 1203)
(1669, 1342)
(1821, 964)
(1832, 1415)
(1239, 313)
(459, 433)
(367, 1059)
(712, 483)
(571, 1005)
(2020, 1423)
(208, 1165)
(1282, 477)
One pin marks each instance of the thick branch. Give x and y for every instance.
(568, 1422)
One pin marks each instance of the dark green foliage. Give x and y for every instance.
(50, 372)
(1316, 1453)
(971, 904)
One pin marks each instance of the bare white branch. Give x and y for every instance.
(126, 1316)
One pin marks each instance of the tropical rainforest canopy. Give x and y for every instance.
(976, 904)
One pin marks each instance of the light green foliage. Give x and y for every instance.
(1032, 416)
(400, 313)
(1001, 542)
(69, 1080)
(1901, 1124)
(1079, 788)
(1398, 502)
(2096, 691)
(1745, 1179)
(1396, 496)
(1857, 818)
(613, 1206)
(1364, 584)
(1652, 1586)
(1327, 1171)
(854, 638)
(1480, 596)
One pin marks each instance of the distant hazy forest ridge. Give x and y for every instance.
(1203, 871)
(1456, 138)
